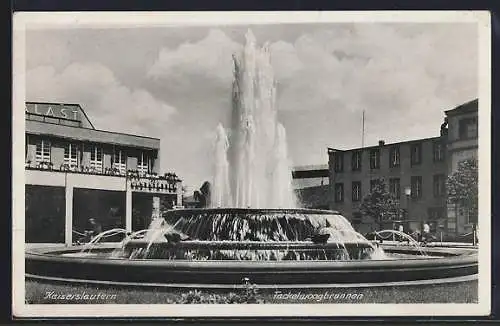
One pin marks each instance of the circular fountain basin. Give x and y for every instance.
(404, 263)
(100, 266)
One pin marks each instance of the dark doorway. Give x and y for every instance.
(45, 208)
(106, 207)
(142, 208)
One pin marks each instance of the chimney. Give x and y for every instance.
(381, 143)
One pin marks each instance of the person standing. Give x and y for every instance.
(401, 230)
(474, 234)
(426, 233)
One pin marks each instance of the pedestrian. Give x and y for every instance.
(474, 234)
(426, 233)
(401, 231)
(418, 235)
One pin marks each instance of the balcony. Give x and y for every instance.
(146, 182)
(72, 168)
(138, 181)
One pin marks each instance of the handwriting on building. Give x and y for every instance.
(55, 111)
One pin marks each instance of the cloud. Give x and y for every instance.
(142, 81)
(285, 61)
(354, 67)
(380, 67)
(402, 75)
(210, 56)
(110, 104)
(46, 49)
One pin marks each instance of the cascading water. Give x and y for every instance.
(221, 193)
(252, 168)
(253, 214)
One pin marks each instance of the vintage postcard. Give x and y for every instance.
(251, 164)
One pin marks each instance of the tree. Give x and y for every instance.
(379, 204)
(462, 187)
(202, 196)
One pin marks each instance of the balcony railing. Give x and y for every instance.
(73, 168)
(153, 185)
(152, 182)
(140, 181)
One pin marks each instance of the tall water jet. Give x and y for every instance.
(282, 194)
(221, 192)
(259, 170)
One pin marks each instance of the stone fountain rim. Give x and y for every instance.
(44, 263)
(255, 211)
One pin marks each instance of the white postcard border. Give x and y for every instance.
(66, 20)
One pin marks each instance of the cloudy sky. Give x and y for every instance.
(174, 83)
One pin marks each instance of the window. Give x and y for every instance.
(357, 217)
(375, 159)
(339, 192)
(416, 187)
(71, 155)
(356, 161)
(339, 162)
(143, 163)
(119, 161)
(395, 187)
(467, 128)
(42, 153)
(438, 151)
(373, 183)
(96, 158)
(471, 216)
(394, 157)
(435, 213)
(438, 185)
(416, 154)
(356, 191)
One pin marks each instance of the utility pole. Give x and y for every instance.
(363, 130)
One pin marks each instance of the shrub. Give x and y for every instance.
(248, 294)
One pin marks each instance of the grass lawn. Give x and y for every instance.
(38, 292)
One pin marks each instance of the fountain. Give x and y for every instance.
(252, 168)
(254, 228)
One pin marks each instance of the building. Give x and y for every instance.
(461, 129)
(75, 172)
(311, 185)
(415, 172)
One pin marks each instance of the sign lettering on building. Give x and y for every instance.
(54, 110)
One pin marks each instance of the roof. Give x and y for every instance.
(471, 106)
(85, 132)
(312, 167)
(85, 121)
(90, 135)
(385, 144)
(306, 174)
